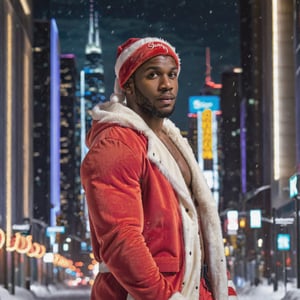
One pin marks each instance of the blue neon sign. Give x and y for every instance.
(201, 103)
(283, 241)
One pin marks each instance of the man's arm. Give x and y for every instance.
(111, 175)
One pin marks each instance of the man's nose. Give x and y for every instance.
(165, 82)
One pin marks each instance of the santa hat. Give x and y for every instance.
(132, 54)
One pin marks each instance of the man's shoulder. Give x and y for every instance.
(121, 134)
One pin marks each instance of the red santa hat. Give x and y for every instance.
(132, 54)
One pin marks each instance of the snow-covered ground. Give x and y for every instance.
(51, 292)
(20, 294)
(265, 291)
(261, 292)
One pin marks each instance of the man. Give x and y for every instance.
(154, 224)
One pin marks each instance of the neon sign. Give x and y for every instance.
(22, 244)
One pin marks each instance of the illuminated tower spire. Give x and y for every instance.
(93, 45)
(97, 32)
(91, 23)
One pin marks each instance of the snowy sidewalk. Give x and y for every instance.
(262, 291)
(43, 292)
(265, 291)
(20, 294)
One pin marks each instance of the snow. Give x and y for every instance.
(262, 291)
(49, 291)
(20, 294)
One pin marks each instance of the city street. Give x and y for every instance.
(262, 291)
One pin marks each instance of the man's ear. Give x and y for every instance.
(129, 86)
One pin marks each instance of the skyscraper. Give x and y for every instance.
(71, 208)
(16, 128)
(70, 188)
(297, 85)
(268, 85)
(230, 153)
(46, 139)
(92, 89)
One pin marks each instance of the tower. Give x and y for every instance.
(92, 89)
(92, 76)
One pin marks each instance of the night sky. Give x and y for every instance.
(190, 26)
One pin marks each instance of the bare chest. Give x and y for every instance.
(178, 157)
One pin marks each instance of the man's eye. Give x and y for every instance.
(152, 75)
(173, 75)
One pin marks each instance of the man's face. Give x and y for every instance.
(155, 87)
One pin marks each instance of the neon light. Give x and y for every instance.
(26, 136)
(276, 137)
(2, 238)
(54, 123)
(207, 135)
(67, 55)
(243, 146)
(36, 250)
(22, 243)
(82, 115)
(8, 133)
(25, 7)
(200, 103)
(10, 243)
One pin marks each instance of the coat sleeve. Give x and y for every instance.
(111, 174)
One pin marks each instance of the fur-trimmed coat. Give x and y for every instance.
(144, 224)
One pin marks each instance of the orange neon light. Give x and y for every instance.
(34, 250)
(61, 261)
(2, 238)
(11, 243)
(22, 244)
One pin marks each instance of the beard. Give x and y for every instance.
(148, 108)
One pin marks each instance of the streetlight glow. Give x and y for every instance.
(275, 46)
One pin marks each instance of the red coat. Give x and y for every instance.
(144, 225)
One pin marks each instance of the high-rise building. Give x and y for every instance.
(46, 118)
(16, 130)
(69, 204)
(230, 135)
(269, 119)
(92, 89)
(297, 73)
(71, 208)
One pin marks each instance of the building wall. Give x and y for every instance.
(297, 75)
(41, 137)
(279, 97)
(230, 140)
(15, 122)
(15, 113)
